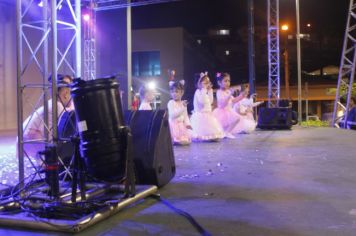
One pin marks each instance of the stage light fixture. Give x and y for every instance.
(151, 85)
(86, 17)
(100, 124)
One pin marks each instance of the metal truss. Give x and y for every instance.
(273, 53)
(89, 24)
(48, 35)
(115, 4)
(347, 66)
(2, 64)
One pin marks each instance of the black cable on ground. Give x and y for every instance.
(190, 218)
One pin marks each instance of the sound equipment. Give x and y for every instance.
(152, 146)
(51, 170)
(67, 127)
(283, 103)
(100, 121)
(275, 118)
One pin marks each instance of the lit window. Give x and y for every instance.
(223, 32)
(146, 63)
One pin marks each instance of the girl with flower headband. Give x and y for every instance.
(225, 99)
(179, 122)
(205, 125)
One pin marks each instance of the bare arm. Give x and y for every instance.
(238, 98)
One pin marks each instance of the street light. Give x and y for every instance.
(285, 27)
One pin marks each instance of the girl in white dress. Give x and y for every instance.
(205, 126)
(146, 97)
(179, 122)
(224, 112)
(244, 108)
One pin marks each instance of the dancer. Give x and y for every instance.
(244, 108)
(225, 99)
(147, 97)
(205, 125)
(179, 122)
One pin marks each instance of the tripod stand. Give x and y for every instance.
(79, 173)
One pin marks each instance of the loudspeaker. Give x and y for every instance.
(67, 127)
(275, 118)
(283, 103)
(152, 146)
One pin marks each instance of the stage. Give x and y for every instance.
(298, 182)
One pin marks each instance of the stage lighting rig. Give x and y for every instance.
(102, 5)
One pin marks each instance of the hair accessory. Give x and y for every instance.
(202, 74)
(171, 74)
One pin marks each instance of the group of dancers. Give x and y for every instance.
(233, 114)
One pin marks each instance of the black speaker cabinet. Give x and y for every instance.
(152, 146)
(275, 118)
(67, 127)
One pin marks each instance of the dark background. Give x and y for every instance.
(327, 17)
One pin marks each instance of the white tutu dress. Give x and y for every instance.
(205, 126)
(224, 112)
(178, 122)
(244, 108)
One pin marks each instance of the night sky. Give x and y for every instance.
(327, 17)
(197, 16)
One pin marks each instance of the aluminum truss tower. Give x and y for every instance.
(102, 5)
(347, 66)
(40, 53)
(2, 65)
(273, 53)
(89, 24)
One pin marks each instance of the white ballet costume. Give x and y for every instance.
(205, 126)
(178, 121)
(247, 123)
(224, 112)
(145, 106)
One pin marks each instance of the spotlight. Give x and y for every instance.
(151, 85)
(103, 140)
(86, 17)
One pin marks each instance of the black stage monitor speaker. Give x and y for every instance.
(152, 146)
(275, 118)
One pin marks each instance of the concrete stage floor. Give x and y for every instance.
(299, 182)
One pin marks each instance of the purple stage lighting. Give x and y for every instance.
(86, 17)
